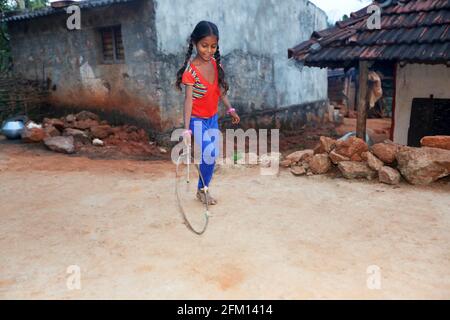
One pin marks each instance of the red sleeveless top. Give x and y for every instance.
(205, 95)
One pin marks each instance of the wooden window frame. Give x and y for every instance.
(113, 30)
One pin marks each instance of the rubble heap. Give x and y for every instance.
(386, 161)
(85, 132)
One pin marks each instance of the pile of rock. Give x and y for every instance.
(74, 132)
(387, 161)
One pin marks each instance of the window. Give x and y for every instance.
(112, 45)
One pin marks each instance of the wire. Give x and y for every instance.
(182, 211)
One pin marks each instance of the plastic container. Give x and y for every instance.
(12, 128)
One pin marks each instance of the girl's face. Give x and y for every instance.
(207, 47)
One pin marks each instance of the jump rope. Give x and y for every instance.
(187, 156)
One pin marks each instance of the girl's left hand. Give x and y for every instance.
(235, 117)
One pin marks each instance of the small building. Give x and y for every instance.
(123, 60)
(414, 42)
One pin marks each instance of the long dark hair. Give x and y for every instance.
(202, 30)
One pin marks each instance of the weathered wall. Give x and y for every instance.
(255, 36)
(417, 81)
(44, 48)
(292, 118)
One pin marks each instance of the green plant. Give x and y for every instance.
(7, 103)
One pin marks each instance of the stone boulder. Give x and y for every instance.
(423, 165)
(33, 135)
(320, 164)
(389, 175)
(385, 151)
(356, 170)
(86, 115)
(60, 144)
(70, 118)
(441, 142)
(373, 162)
(364, 155)
(351, 147)
(336, 158)
(298, 170)
(57, 123)
(326, 145)
(51, 131)
(357, 157)
(101, 131)
(78, 135)
(84, 124)
(299, 156)
(286, 163)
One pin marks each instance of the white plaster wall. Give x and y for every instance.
(263, 27)
(417, 81)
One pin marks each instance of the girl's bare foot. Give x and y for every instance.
(202, 197)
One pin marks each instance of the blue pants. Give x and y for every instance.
(205, 136)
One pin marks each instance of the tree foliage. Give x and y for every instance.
(5, 7)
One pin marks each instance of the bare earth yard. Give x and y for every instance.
(272, 237)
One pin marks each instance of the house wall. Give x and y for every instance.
(417, 81)
(255, 36)
(43, 48)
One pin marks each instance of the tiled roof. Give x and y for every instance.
(29, 14)
(411, 30)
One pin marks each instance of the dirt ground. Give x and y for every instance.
(271, 237)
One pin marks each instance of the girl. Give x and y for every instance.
(205, 84)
